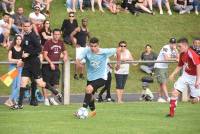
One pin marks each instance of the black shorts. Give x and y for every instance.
(32, 68)
(121, 80)
(50, 76)
(96, 84)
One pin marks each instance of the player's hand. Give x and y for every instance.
(19, 63)
(197, 84)
(117, 67)
(52, 66)
(25, 55)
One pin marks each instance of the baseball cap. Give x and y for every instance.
(172, 40)
(37, 6)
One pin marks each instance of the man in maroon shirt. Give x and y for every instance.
(189, 61)
(53, 50)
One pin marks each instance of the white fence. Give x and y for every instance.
(65, 80)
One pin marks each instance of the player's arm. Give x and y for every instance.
(65, 55)
(72, 36)
(118, 58)
(45, 54)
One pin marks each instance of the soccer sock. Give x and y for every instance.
(92, 105)
(21, 95)
(33, 90)
(51, 88)
(87, 100)
(172, 107)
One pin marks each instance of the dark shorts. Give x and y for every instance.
(1, 38)
(96, 84)
(67, 39)
(50, 76)
(121, 80)
(32, 69)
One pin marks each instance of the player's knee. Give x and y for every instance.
(175, 93)
(89, 89)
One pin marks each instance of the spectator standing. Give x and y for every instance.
(52, 52)
(99, 2)
(15, 55)
(68, 26)
(148, 54)
(121, 74)
(190, 63)
(168, 52)
(79, 39)
(96, 62)
(8, 5)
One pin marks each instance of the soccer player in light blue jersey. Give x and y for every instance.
(96, 63)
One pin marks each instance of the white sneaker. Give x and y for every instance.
(161, 100)
(46, 102)
(161, 12)
(196, 12)
(169, 12)
(168, 99)
(52, 101)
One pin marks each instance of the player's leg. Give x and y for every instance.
(194, 92)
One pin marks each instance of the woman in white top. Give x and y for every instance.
(122, 74)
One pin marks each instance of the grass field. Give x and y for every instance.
(128, 118)
(137, 31)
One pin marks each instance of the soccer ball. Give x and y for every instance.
(82, 113)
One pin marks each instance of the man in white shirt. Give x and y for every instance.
(168, 52)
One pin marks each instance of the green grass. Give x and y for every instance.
(110, 29)
(128, 118)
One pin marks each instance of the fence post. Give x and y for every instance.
(67, 82)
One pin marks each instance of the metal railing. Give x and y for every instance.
(65, 79)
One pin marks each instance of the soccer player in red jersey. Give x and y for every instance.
(189, 61)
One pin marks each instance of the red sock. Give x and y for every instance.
(172, 107)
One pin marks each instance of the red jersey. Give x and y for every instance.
(189, 60)
(54, 49)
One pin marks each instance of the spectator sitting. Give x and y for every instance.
(112, 7)
(196, 45)
(46, 33)
(129, 5)
(74, 3)
(182, 6)
(37, 19)
(8, 5)
(5, 26)
(19, 18)
(148, 55)
(144, 4)
(196, 5)
(159, 3)
(68, 27)
(43, 4)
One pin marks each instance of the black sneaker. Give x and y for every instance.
(16, 107)
(81, 76)
(59, 97)
(34, 102)
(76, 77)
(99, 99)
(110, 100)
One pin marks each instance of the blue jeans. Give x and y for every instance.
(196, 4)
(16, 84)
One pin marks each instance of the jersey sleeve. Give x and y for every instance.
(194, 56)
(83, 54)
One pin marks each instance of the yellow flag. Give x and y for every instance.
(7, 78)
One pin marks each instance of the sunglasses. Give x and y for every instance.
(122, 46)
(71, 16)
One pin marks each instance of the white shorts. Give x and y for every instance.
(79, 50)
(186, 81)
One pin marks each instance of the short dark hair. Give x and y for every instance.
(94, 40)
(122, 42)
(56, 30)
(148, 45)
(183, 40)
(71, 13)
(26, 21)
(196, 38)
(6, 14)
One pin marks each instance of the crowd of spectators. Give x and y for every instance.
(11, 26)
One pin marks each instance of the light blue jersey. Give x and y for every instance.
(96, 63)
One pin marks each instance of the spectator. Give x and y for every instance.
(37, 19)
(107, 85)
(74, 3)
(168, 52)
(99, 2)
(129, 5)
(148, 54)
(45, 33)
(79, 39)
(96, 62)
(144, 4)
(196, 45)
(196, 6)
(52, 51)
(19, 18)
(182, 6)
(43, 4)
(68, 26)
(15, 55)
(121, 74)
(111, 5)
(159, 3)
(8, 5)
(5, 26)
